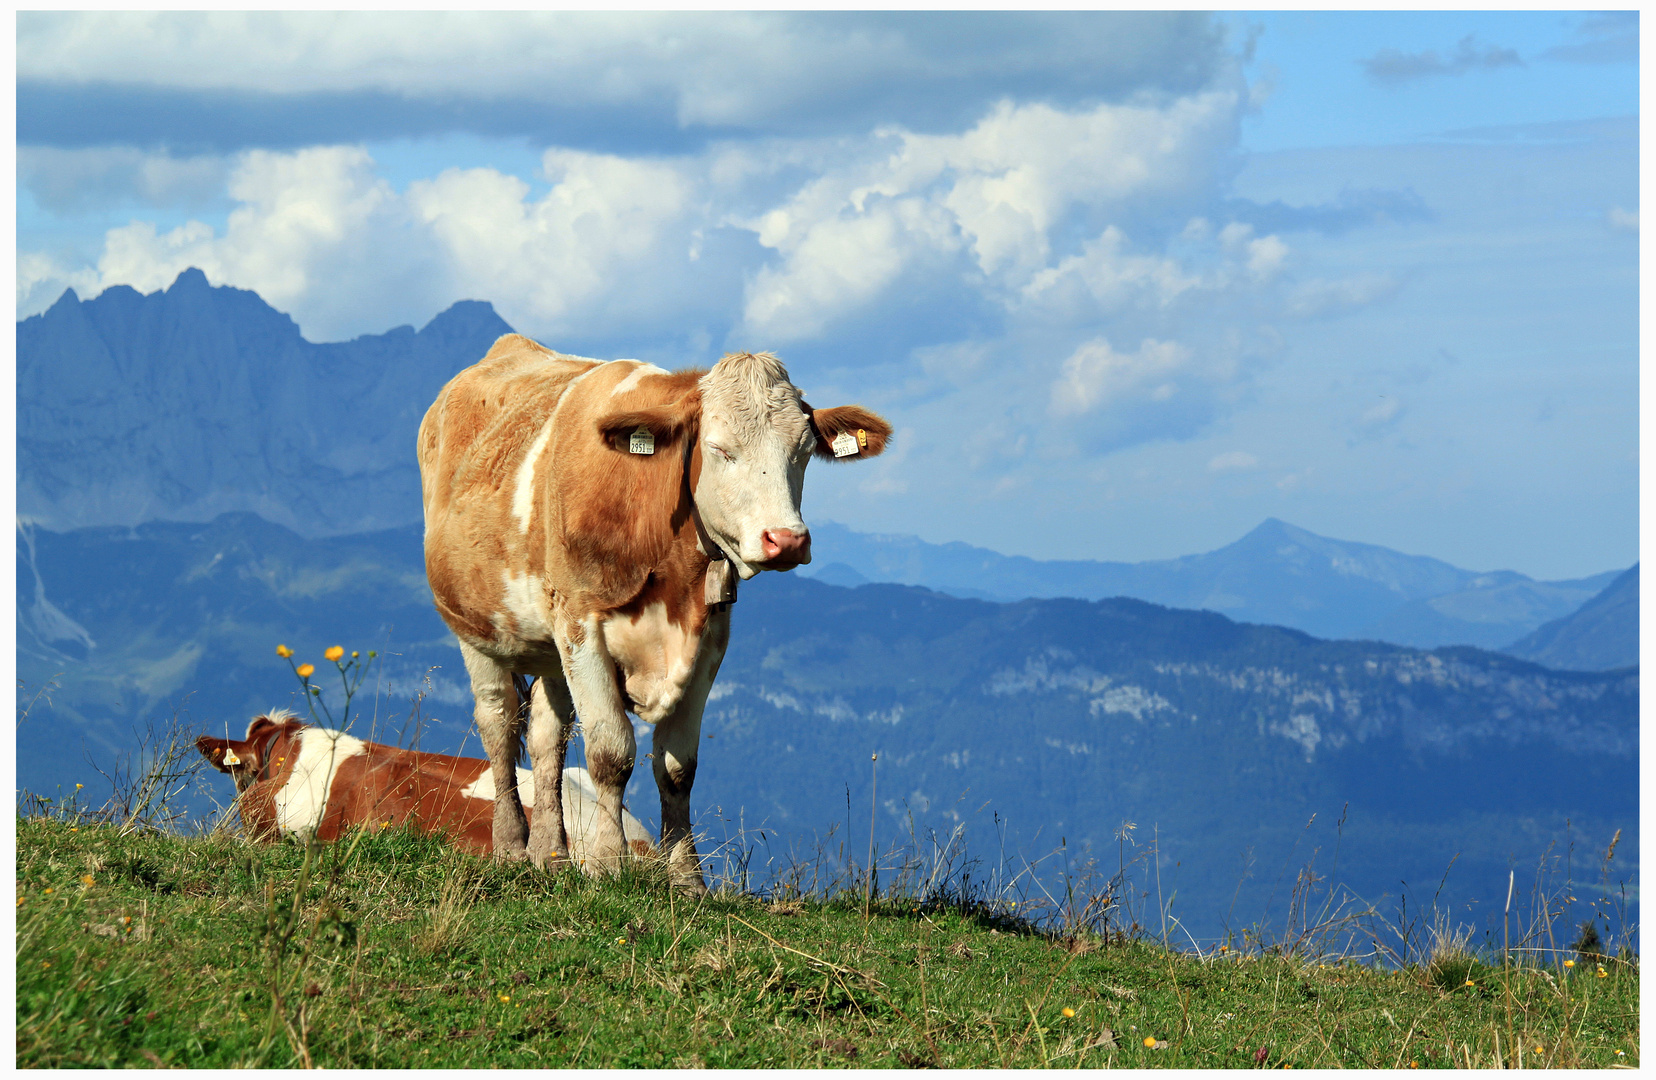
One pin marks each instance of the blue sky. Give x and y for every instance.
(1126, 283)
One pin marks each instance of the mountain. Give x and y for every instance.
(1277, 574)
(1602, 635)
(1031, 723)
(191, 402)
(1486, 612)
(195, 401)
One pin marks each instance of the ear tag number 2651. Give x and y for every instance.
(844, 444)
(642, 442)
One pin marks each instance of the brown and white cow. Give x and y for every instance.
(584, 520)
(293, 779)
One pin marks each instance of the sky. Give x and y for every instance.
(1126, 283)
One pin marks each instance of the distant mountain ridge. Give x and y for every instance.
(1063, 717)
(1603, 634)
(1278, 574)
(192, 402)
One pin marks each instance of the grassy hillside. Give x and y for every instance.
(391, 951)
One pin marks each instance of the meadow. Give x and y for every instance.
(143, 947)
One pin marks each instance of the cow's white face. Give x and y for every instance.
(755, 443)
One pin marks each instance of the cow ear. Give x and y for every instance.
(230, 757)
(869, 429)
(666, 423)
(214, 751)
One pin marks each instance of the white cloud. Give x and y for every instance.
(1624, 219)
(1096, 375)
(304, 223)
(1107, 273)
(591, 239)
(998, 192)
(41, 279)
(1320, 296)
(1233, 461)
(729, 68)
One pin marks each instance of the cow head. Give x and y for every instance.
(245, 758)
(751, 436)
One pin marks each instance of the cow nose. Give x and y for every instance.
(784, 547)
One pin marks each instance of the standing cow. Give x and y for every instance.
(583, 523)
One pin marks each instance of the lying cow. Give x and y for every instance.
(585, 524)
(296, 780)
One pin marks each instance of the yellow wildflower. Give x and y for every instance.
(620, 941)
(1469, 982)
(1149, 1042)
(48, 889)
(283, 651)
(86, 879)
(504, 998)
(305, 671)
(1069, 1013)
(1569, 963)
(354, 654)
(19, 901)
(335, 652)
(79, 786)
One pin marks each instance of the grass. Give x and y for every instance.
(389, 950)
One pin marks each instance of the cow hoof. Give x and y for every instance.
(553, 861)
(508, 855)
(695, 887)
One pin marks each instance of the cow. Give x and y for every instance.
(586, 523)
(293, 779)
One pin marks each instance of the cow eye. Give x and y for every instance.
(721, 451)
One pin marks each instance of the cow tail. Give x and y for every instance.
(520, 683)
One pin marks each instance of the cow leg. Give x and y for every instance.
(610, 747)
(674, 759)
(674, 765)
(501, 727)
(551, 719)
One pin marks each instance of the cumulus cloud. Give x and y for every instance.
(994, 194)
(303, 223)
(306, 222)
(1393, 67)
(604, 221)
(1096, 375)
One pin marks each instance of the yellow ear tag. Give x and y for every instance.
(230, 757)
(862, 439)
(844, 444)
(642, 442)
